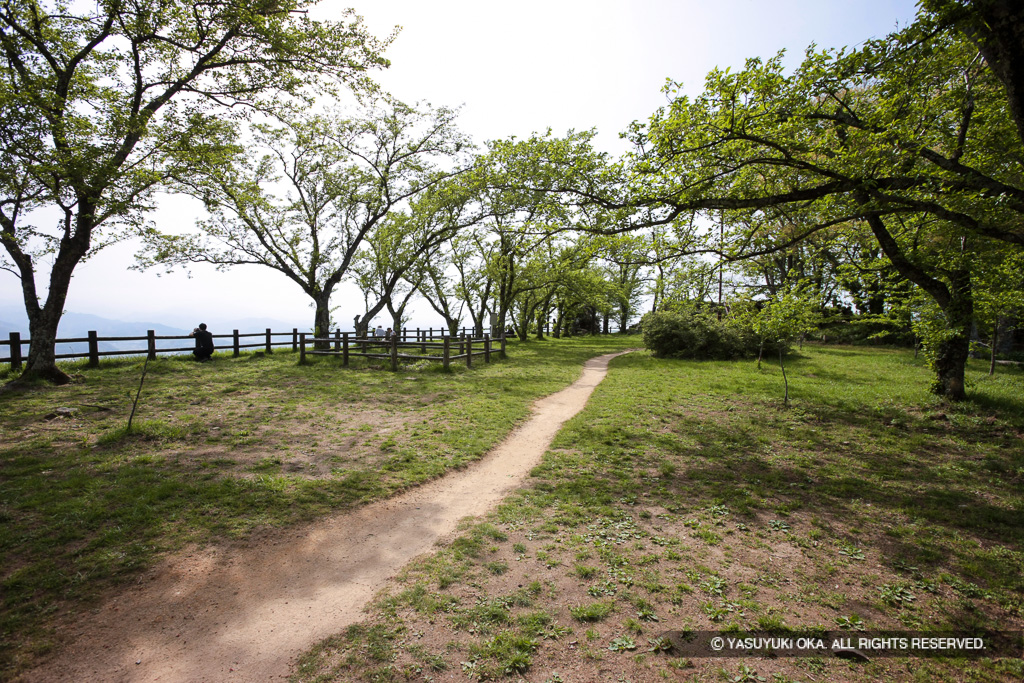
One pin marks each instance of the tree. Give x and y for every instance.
(996, 27)
(909, 136)
(627, 257)
(999, 301)
(438, 288)
(781, 319)
(103, 102)
(307, 195)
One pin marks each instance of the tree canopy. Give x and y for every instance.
(101, 103)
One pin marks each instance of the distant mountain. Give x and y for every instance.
(78, 325)
(7, 327)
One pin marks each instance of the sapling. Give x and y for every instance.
(135, 403)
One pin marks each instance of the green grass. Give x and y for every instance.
(220, 449)
(686, 493)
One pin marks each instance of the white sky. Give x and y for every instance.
(514, 68)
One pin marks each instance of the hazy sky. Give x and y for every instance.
(514, 68)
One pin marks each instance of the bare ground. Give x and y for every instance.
(245, 611)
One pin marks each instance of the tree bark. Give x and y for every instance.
(44, 320)
(322, 321)
(41, 362)
(951, 356)
(955, 300)
(782, 364)
(997, 28)
(995, 340)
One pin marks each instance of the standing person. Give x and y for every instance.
(204, 343)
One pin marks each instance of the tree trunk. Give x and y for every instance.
(360, 326)
(322, 321)
(950, 360)
(949, 364)
(949, 357)
(41, 362)
(524, 325)
(995, 340)
(782, 364)
(997, 28)
(442, 308)
(44, 320)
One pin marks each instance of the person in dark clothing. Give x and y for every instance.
(204, 343)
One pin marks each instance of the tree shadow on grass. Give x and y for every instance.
(920, 509)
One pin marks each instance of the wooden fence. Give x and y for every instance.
(425, 346)
(268, 341)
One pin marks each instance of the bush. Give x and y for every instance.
(693, 333)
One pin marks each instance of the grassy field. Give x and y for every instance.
(219, 450)
(686, 498)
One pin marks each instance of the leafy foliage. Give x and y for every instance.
(690, 332)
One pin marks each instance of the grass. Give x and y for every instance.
(219, 450)
(686, 497)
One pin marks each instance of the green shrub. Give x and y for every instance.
(693, 333)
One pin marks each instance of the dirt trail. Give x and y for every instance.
(245, 613)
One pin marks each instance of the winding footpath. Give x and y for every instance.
(246, 613)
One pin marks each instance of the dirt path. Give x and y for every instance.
(245, 613)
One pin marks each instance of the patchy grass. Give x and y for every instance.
(220, 449)
(686, 497)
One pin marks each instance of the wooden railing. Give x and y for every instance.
(425, 345)
(268, 341)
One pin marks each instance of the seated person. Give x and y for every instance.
(204, 343)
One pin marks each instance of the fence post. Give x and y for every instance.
(344, 349)
(337, 339)
(446, 353)
(469, 352)
(236, 349)
(487, 347)
(503, 354)
(394, 353)
(295, 339)
(16, 350)
(302, 347)
(151, 344)
(94, 349)
(270, 350)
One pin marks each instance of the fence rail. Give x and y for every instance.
(342, 345)
(16, 348)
